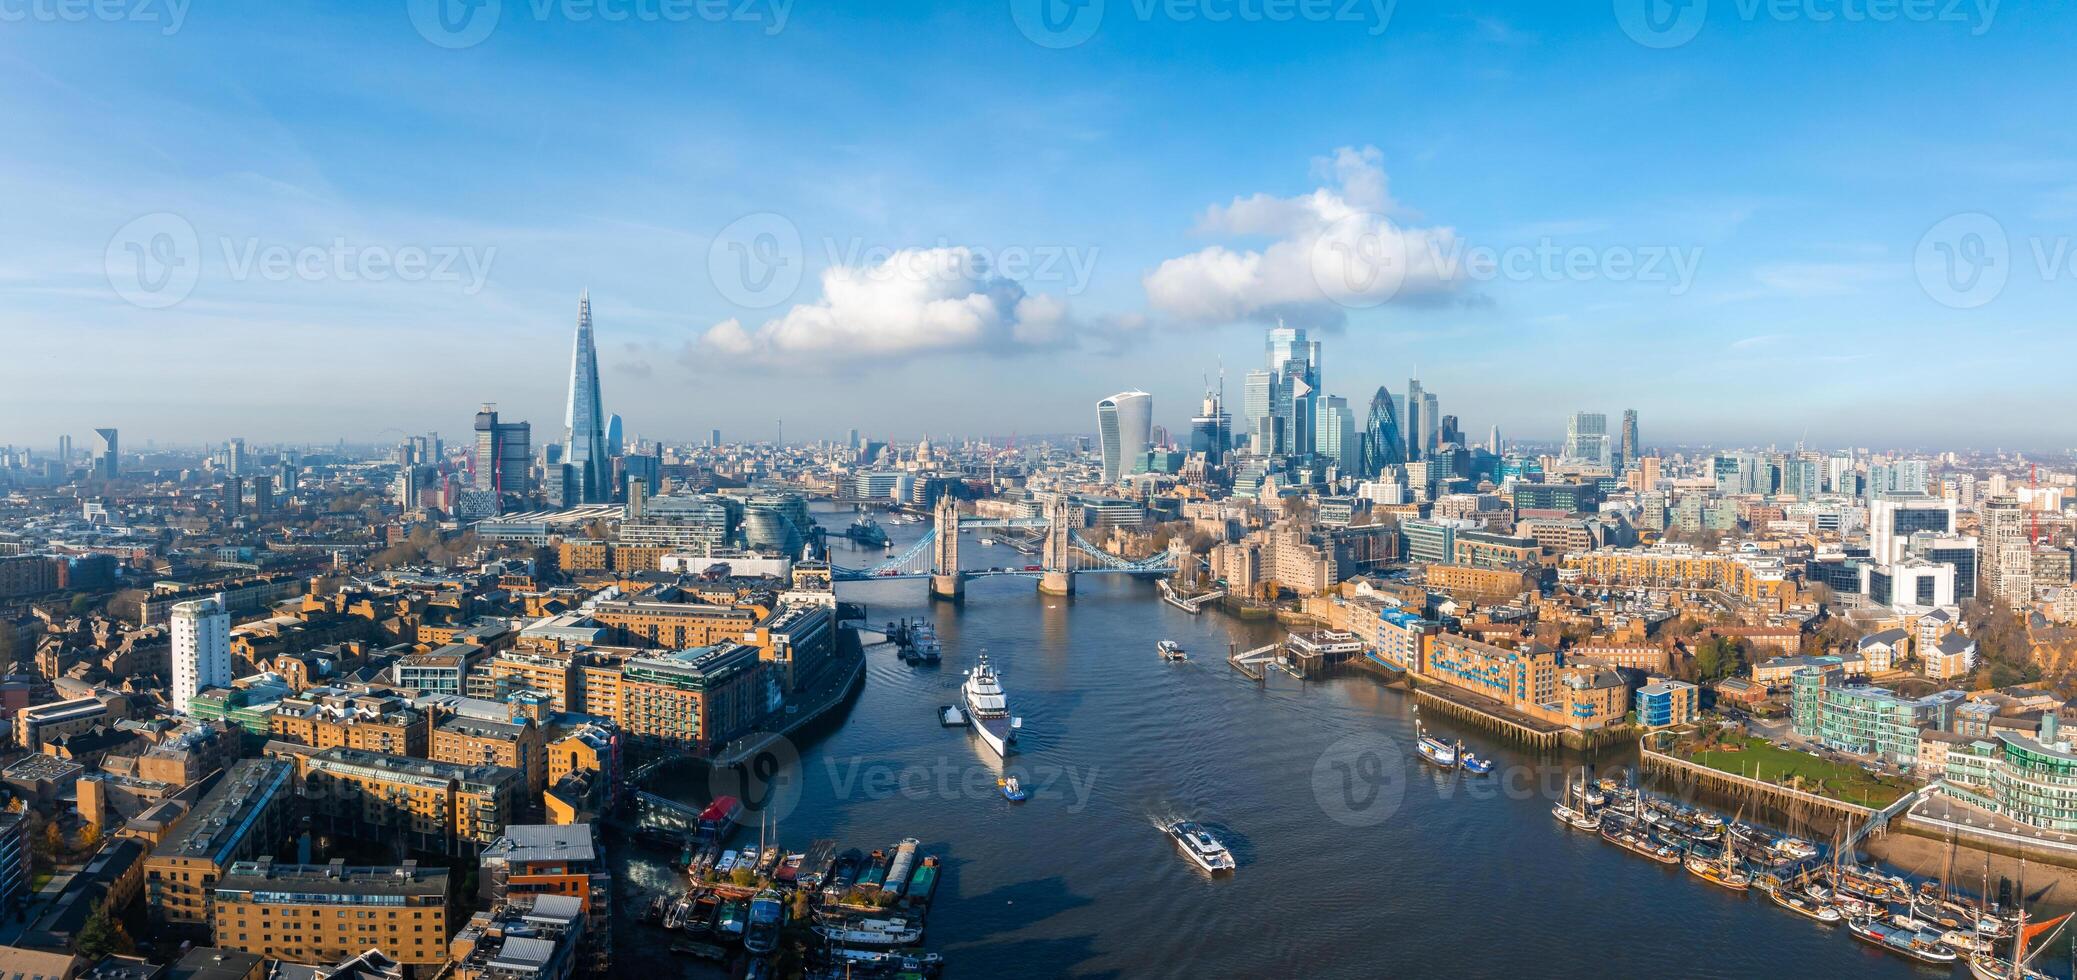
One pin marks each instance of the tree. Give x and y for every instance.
(101, 936)
(89, 836)
(53, 840)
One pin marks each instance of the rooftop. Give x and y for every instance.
(527, 843)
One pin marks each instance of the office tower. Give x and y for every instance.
(1125, 423)
(1211, 431)
(851, 440)
(1294, 368)
(502, 457)
(262, 495)
(713, 438)
(64, 450)
(584, 421)
(234, 457)
(615, 445)
(1892, 522)
(1493, 441)
(1383, 444)
(233, 497)
(1447, 432)
(1255, 404)
(107, 461)
(646, 468)
(1413, 420)
(1802, 477)
(1630, 447)
(1586, 438)
(1335, 435)
(2007, 555)
(1431, 423)
(201, 648)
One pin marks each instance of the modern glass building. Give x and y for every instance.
(1125, 422)
(585, 420)
(1383, 442)
(1866, 720)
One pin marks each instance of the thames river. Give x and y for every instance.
(1354, 860)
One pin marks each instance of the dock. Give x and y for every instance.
(1491, 716)
(1254, 664)
(1790, 807)
(1192, 604)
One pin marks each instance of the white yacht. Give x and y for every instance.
(1200, 846)
(989, 709)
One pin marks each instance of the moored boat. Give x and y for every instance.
(1911, 944)
(1805, 906)
(988, 708)
(1642, 846)
(871, 933)
(1719, 871)
(767, 916)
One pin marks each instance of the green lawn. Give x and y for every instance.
(1763, 761)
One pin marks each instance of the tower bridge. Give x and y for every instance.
(1064, 554)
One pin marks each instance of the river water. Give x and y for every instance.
(1355, 861)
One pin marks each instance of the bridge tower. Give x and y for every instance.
(1059, 576)
(946, 580)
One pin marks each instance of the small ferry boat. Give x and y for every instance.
(1171, 651)
(1201, 847)
(1012, 791)
(1805, 906)
(1473, 764)
(989, 708)
(923, 645)
(767, 914)
(1912, 944)
(987, 542)
(871, 933)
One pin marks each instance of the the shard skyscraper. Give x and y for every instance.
(585, 449)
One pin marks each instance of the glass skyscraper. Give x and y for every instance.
(1383, 445)
(1125, 421)
(585, 445)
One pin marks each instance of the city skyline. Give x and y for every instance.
(1116, 261)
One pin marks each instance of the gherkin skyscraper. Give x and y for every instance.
(585, 448)
(1383, 445)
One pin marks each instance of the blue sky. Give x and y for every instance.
(994, 233)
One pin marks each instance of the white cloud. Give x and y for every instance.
(916, 300)
(1343, 246)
